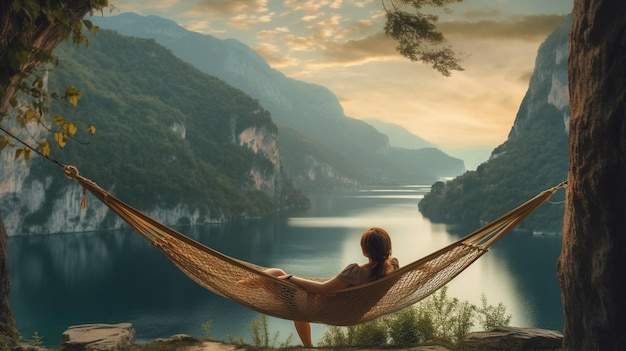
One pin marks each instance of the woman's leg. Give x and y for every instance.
(304, 332)
(303, 328)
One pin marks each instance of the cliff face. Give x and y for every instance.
(176, 144)
(264, 142)
(548, 84)
(22, 196)
(532, 159)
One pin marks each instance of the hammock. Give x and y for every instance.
(248, 285)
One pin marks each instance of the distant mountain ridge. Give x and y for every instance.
(532, 159)
(398, 135)
(355, 153)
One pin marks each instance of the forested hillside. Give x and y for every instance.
(168, 136)
(532, 159)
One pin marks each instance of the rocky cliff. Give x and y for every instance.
(177, 144)
(532, 159)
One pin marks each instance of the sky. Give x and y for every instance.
(340, 44)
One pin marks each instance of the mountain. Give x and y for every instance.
(473, 156)
(178, 144)
(533, 158)
(398, 135)
(355, 152)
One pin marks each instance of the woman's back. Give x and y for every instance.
(354, 274)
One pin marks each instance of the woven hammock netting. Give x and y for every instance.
(248, 285)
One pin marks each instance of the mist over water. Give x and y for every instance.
(117, 276)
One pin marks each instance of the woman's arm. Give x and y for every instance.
(325, 287)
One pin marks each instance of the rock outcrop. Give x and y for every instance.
(113, 337)
(508, 338)
(98, 337)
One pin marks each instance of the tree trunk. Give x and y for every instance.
(594, 232)
(7, 322)
(43, 36)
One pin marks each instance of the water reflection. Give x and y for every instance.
(113, 277)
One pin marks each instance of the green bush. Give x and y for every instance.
(491, 317)
(372, 333)
(334, 337)
(437, 319)
(452, 319)
(261, 335)
(409, 327)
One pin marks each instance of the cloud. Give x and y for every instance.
(267, 34)
(526, 28)
(201, 26)
(373, 47)
(481, 13)
(360, 3)
(326, 29)
(308, 5)
(225, 8)
(273, 56)
(299, 43)
(245, 21)
(358, 27)
(146, 6)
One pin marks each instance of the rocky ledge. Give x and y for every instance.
(118, 337)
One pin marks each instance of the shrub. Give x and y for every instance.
(261, 335)
(452, 319)
(405, 327)
(490, 317)
(372, 333)
(439, 319)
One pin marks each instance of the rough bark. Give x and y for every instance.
(43, 37)
(7, 321)
(594, 253)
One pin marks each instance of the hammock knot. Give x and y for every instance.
(71, 172)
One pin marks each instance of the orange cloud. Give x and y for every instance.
(527, 28)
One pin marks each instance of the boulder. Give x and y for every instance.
(98, 337)
(510, 338)
(179, 338)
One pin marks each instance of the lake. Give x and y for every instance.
(116, 276)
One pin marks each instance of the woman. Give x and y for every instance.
(376, 246)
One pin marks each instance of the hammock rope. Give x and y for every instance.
(247, 284)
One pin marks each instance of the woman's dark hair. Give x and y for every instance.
(376, 245)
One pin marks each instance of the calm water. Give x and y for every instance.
(113, 277)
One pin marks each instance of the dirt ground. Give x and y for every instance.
(218, 346)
